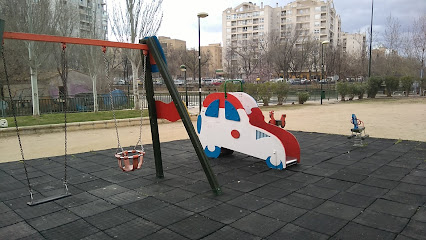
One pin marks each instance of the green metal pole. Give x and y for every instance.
(1, 32)
(149, 86)
(154, 50)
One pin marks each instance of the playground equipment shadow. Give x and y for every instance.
(338, 191)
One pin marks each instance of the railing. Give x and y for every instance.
(85, 104)
(74, 104)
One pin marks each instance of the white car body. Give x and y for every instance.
(237, 123)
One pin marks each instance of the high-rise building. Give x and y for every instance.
(215, 62)
(245, 24)
(310, 18)
(91, 18)
(313, 19)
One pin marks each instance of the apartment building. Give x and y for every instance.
(307, 18)
(310, 18)
(353, 43)
(242, 25)
(171, 44)
(90, 16)
(215, 63)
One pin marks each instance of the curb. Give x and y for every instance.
(79, 126)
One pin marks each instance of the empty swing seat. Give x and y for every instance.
(126, 156)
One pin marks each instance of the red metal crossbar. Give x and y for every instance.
(71, 40)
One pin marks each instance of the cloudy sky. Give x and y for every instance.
(180, 17)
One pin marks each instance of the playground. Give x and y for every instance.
(295, 183)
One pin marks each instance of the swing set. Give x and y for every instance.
(153, 61)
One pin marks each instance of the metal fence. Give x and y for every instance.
(85, 103)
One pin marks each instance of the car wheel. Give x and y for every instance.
(270, 165)
(213, 154)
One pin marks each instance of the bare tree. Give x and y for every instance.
(231, 68)
(132, 21)
(190, 59)
(302, 54)
(249, 53)
(392, 41)
(281, 50)
(419, 42)
(31, 17)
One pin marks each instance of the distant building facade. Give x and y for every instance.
(171, 44)
(214, 67)
(315, 19)
(353, 43)
(91, 15)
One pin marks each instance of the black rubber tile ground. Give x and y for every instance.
(337, 192)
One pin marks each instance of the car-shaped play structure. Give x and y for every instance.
(234, 121)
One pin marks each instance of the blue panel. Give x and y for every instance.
(354, 121)
(230, 112)
(270, 165)
(213, 109)
(199, 119)
(154, 67)
(213, 154)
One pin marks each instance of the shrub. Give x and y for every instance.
(392, 84)
(357, 89)
(303, 97)
(264, 91)
(231, 87)
(342, 89)
(251, 89)
(281, 90)
(406, 83)
(373, 86)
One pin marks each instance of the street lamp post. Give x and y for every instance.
(183, 69)
(200, 15)
(322, 64)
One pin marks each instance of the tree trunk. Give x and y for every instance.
(34, 86)
(95, 93)
(136, 96)
(34, 91)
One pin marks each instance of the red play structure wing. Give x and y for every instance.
(167, 111)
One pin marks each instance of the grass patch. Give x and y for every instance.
(58, 118)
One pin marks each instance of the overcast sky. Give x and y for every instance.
(180, 17)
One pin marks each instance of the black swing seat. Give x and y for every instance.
(48, 199)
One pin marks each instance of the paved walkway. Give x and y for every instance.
(338, 192)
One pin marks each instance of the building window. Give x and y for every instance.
(260, 27)
(262, 20)
(317, 16)
(316, 31)
(316, 24)
(228, 17)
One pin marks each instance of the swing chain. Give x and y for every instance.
(64, 76)
(16, 124)
(140, 125)
(111, 100)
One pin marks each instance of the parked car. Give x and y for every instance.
(179, 82)
(296, 81)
